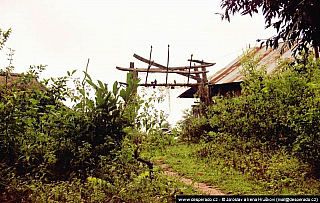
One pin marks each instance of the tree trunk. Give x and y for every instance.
(316, 51)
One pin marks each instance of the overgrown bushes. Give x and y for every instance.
(272, 130)
(277, 171)
(43, 139)
(194, 128)
(50, 152)
(40, 134)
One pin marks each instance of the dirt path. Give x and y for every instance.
(200, 186)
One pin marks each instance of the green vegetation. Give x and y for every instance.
(52, 153)
(282, 175)
(296, 22)
(269, 134)
(265, 141)
(4, 35)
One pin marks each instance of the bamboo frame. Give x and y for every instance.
(164, 84)
(162, 67)
(159, 70)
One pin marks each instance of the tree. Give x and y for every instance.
(4, 35)
(297, 21)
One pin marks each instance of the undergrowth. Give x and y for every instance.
(282, 175)
(270, 133)
(85, 153)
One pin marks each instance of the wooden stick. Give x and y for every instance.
(160, 71)
(200, 61)
(167, 65)
(173, 68)
(161, 66)
(198, 75)
(150, 64)
(190, 68)
(170, 84)
(164, 84)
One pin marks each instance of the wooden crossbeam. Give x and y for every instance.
(164, 84)
(159, 70)
(170, 85)
(192, 67)
(201, 62)
(180, 67)
(162, 66)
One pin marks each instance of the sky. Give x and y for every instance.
(63, 34)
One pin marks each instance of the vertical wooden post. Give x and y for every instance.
(190, 68)
(204, 75)
(197, 74)
(205, 87)
(167, 66)
(149, 66)
(134, 75)
(131, 66)
(316, 51)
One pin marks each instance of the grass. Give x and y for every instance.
(161, 189)
(181, 158)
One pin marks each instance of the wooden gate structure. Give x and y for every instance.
(196, 72)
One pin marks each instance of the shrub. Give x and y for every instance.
(43, 139)
(277, 171)
(281, 110)
(193, 128)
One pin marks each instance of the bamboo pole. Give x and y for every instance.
(167, 65)
(164, 84)
(198, 75)
(316, 52)
(149, 66)
(190, 69)
(201, 62)
(173, 68)
(161, 66)
(160, 71)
